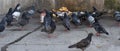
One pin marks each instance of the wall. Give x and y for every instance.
(99, 4)
(49, 4)
(80, 4)
(6, 4)
(46, 4)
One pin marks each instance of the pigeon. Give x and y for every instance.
(2, 24)
(66, 22)
(26, 16)
(49, 24)
(24, 20)
(81, 15)
(60, 15)
(90, 18)
(54, 15)
(9, 17)
(99, 29)
(75, 19)
(96, 14)
(94, 9)
(53, 26)
(117, 17)
(84, 43)
(16, 12)
(31, 11)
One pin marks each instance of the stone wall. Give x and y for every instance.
(99, 4)
(49, 4)
(6, 4)
(80, 4)
(46, 4)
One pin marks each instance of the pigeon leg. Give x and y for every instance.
(9, 25)
(97, 34)
(65, 30)
(2, 35)
(50, 35)
(90, 26)
(82, 49)
(75, 27)
(118, 23)
(21, 28)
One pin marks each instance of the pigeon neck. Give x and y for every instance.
(89, 37)
(65, 15)
(9, 11)
(94, 9)
(87, 14)
(3, 21)
(17, 8)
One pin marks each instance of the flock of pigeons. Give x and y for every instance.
(16, 15)
(66, 18)
(49, 23)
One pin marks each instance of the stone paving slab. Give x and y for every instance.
(10, 36)
(17, 48)
(38, 41)
(63, 47)
(60, 37)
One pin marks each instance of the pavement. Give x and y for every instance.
(38, 41)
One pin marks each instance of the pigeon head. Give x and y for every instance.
(90, 34)
(32, 10)
(87, 13)
(117, 12)
(47, 12)
(94, 9)
(18, 6)
(32, 7)
(65, 14)
(9, 11)
(73, 15)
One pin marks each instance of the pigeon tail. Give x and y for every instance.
(119, 39)
(72, 46)
(68, 29)
(106, 33)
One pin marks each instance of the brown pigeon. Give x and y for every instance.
(84, 43)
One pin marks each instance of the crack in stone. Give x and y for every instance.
(4, 48)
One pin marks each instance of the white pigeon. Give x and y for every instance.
(91, 19)
(16, 15)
